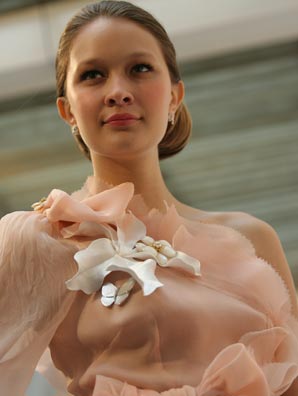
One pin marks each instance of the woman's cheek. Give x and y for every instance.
(82, 100)
(159, 93)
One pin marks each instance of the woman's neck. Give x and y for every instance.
(145, 174)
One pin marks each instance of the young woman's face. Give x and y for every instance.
(118, 88)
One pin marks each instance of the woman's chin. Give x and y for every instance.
(125, 148)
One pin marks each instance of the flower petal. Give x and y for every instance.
(121, 298)
(107, 301)
(92, 263)
(145, 275)
(109, 290)
(89, 281)
(111, 203)
(105, 207)
(126, 287)
(142, 271)
(186, 262)
(62, 207)
(129, 231)
(89, 229)
(97, 252)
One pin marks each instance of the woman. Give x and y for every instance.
(139, 294)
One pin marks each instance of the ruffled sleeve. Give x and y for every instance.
(34, 265)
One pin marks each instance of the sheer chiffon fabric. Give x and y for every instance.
(256, 356)
(32, 301)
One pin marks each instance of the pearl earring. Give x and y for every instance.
(75, 130)
(171, 118)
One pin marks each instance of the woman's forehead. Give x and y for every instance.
(108, 35)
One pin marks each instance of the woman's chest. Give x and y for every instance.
(184, 319)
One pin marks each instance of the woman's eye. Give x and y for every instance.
(91, 75)
(142, 68)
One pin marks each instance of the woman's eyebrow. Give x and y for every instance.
(88, 62)
(141, 53)
(93, 61)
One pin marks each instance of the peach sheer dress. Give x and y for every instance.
(227, 332)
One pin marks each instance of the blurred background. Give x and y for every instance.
(239, 61)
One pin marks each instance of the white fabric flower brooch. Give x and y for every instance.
(123, 245)
(127, 249)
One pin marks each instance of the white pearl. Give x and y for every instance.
(162, 260)
(168, 251)
(148, 240)
(140, 246)
(150, 250)
(165, 243)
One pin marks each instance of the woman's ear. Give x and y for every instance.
(64, 110)
(177, 95)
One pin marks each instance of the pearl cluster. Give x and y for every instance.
(161, 250)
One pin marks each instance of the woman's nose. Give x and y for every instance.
(118, 93)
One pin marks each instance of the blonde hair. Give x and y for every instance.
(176, 135)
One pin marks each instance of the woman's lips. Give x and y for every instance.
(121, 119)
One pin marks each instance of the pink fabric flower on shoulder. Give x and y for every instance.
(85, 217)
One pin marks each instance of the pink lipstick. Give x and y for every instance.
(121, 119)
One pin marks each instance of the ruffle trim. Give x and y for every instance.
(224, 376)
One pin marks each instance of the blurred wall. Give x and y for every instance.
(28, 38)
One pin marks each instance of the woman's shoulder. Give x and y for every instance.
(241, 221)
(261, 234)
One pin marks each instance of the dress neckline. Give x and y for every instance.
(137, 204)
